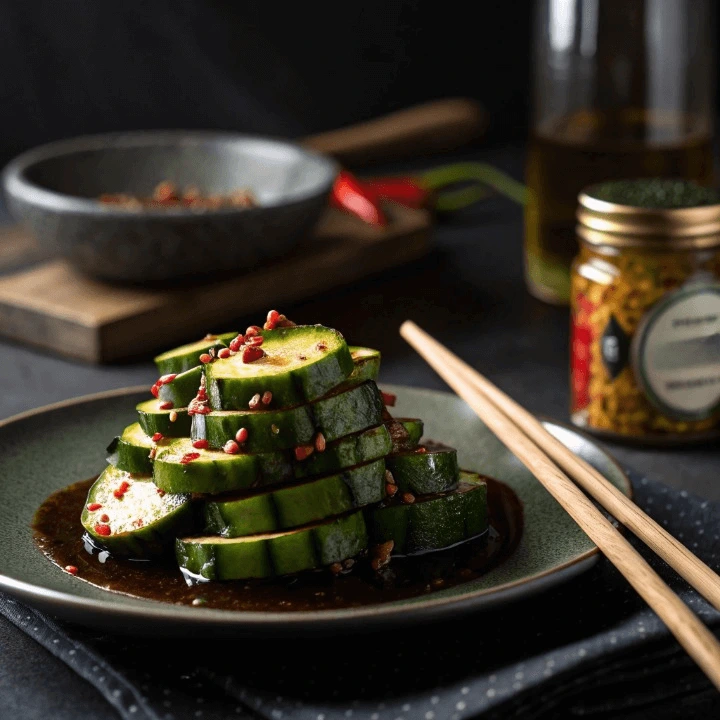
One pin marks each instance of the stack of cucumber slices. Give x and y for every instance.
(273, 452)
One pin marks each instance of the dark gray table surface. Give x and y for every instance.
(469, 293)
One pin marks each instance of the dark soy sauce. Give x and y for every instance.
(58, 534)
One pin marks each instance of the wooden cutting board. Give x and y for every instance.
(52, 306)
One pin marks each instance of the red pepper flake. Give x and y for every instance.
(104, 518)
(302, 357)
(389, 398)
(251, 354)
(421, 450)
(408, 498)
(236, 343)
(254, 401)
(201, 410)
(231, 447)
(267, 397)
(224, 353)
(92, 507)
(303, 452)
(173, 416)
(391, 490)
(201, 444)
(241, 435)
(166, 379)
(139, 522)
(252, 331)
(122, 489)
(167, 405)
(320, 442)
(321, 346)
(272, 317)
(160, 492)
(71, 569)
(189, 457)
(255, 341)
(103, 530)
(157, 437)
(205, 358)
(155, 390)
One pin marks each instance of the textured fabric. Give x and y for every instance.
(588, 648)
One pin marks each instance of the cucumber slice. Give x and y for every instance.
(367, 364)
(335, 416)
(415, 429)
(433, 522)
(153, 419)
(262, 556)
(131, 451)
(186, 357)
(141, 523)
(214, 471)
(346, 452)
(296, 505)
(292, 380)
(182, 389)
(425, 473)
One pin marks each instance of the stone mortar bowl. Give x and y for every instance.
(54, 190)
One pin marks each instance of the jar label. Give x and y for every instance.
(676, 353)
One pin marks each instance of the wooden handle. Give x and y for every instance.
(438, 126)
(697, 640)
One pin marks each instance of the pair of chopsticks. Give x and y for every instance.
(553, 465)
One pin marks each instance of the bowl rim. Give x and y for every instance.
(16, 184)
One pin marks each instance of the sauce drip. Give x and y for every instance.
(58, 534)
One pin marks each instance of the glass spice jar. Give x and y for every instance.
(645, 309)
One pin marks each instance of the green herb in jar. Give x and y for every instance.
(657, 193)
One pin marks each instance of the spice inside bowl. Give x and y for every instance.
(168, 195)
(645, 356)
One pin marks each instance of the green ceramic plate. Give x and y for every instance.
(51, 447)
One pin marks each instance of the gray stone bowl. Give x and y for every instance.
(54, 190)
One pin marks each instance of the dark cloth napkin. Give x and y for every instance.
(589, 648)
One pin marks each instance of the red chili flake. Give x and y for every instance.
(255, 341)
(267, 397)
(391, 489)
(272, 318)
(201, 444)
(205, 358)
(252, 331)
(167, 405)
(254, 401)
(189, 457)
(210, 337)
(103, 530)
(321, 346)
(302, 357)
(160, 492)
(251, 354)
(303, 452)
(389, 398)
(166, 379)
(122, 489)
(92, 507)
(224, 353)
(198, 409)
(320, 442)
(421, 450)
(241, 435)
(236, 343)
(71, 569)
(202, 393)
(157, 437)
(408, 498)
(139, 522)
(155, 390)
(104, 518)
(173, 416)
(231, 447)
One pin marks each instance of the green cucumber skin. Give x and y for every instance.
(346, 452)
(304, 549)
(427, 473)
(228, 474)
(182, 389)
(151, 540)
(177, 361)
(153, 420)
(367, 364)
(296, 505)
(293, 387)
(433, 524)
(134, 459)
(335, 416)
(415, 429)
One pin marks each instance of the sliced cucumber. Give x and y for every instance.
(131, 451)
(182, 389)
(181, 468)
(425, 473)
(186, 357)
(415, 429)
(296, 505)
(130, 518)
(335, 416)
(432, 522)
(153, 419)
(261, 556)
(367, 364)
(300, 364)
(346, 452)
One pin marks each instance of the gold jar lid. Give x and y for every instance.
(603, 220)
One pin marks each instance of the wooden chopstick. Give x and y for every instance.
(697, 640)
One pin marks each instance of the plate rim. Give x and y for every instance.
(317, 620)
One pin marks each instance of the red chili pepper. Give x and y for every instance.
(404, 190)
(350, 194)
